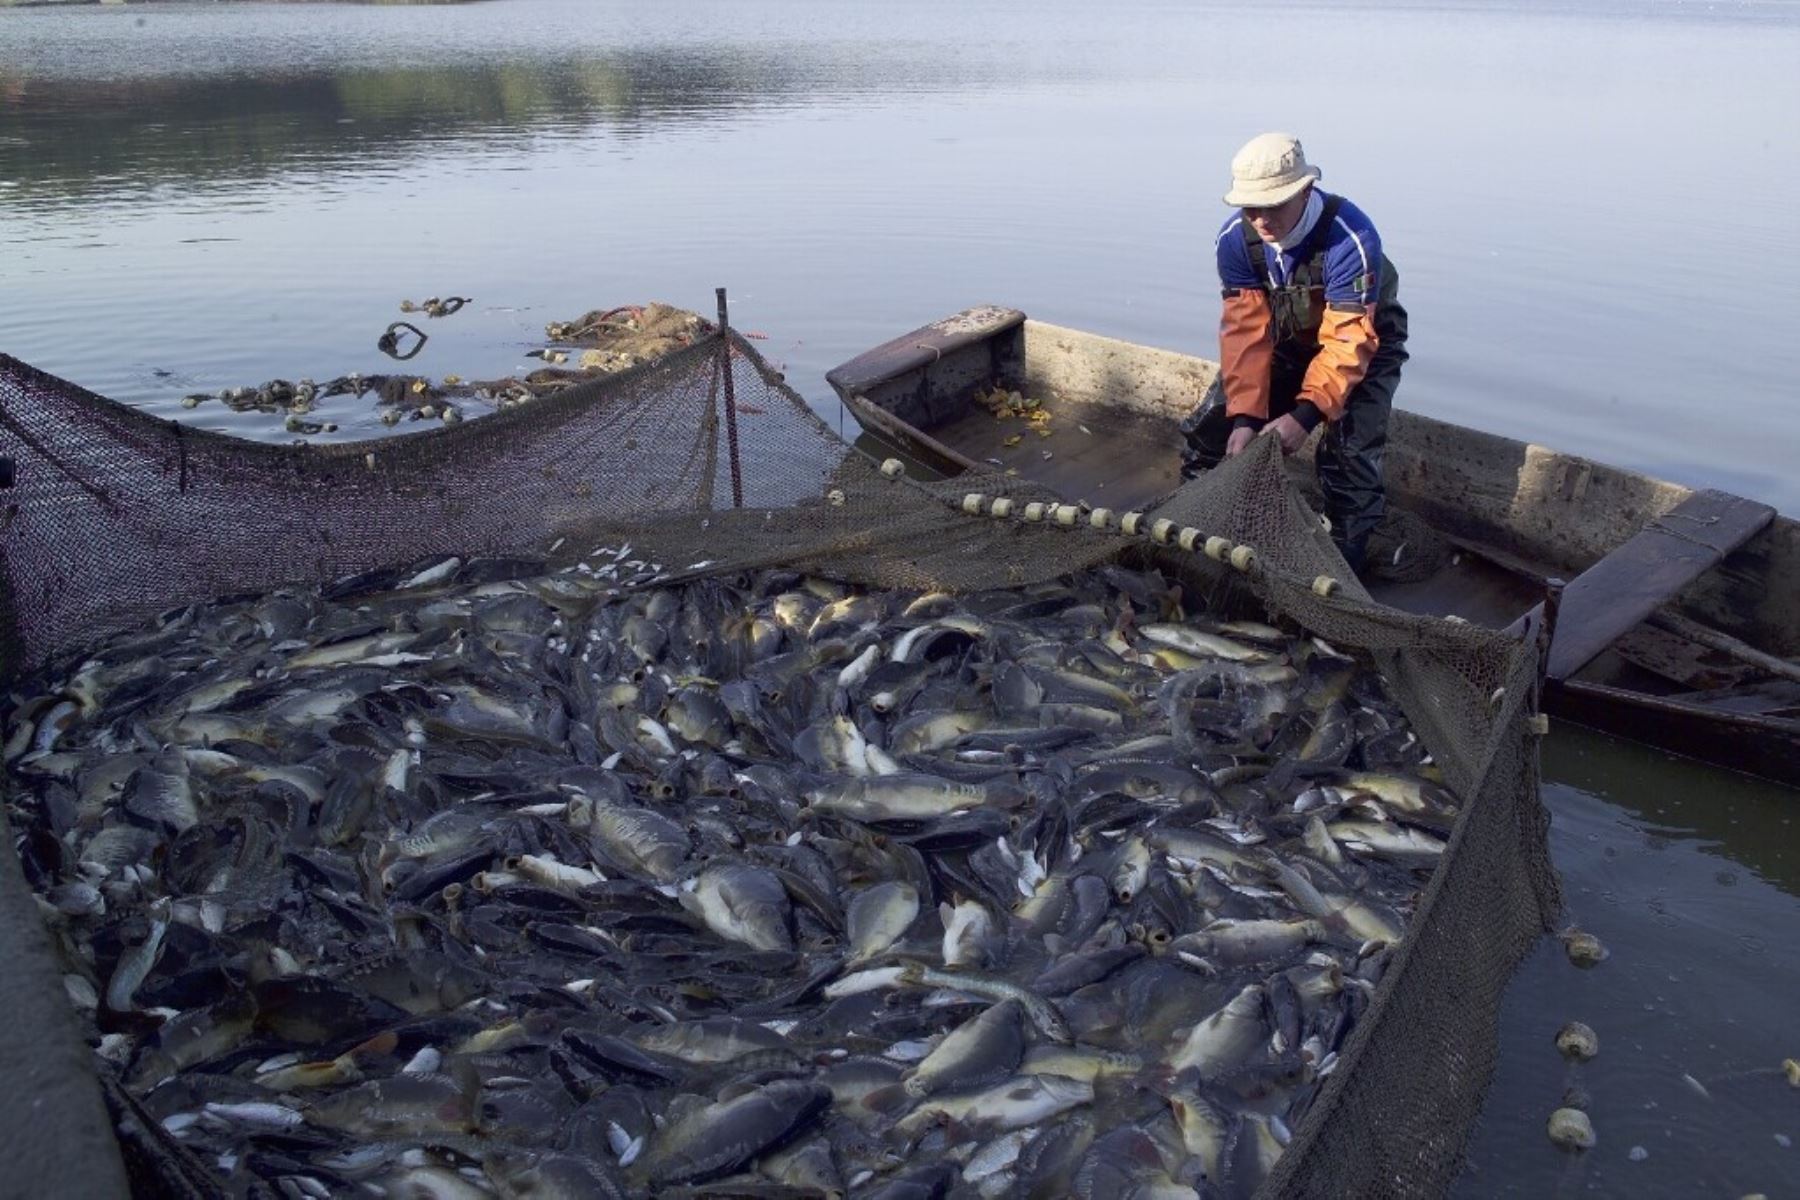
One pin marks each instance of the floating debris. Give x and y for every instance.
(631, 334)
(435, 307)
(391, 339)
(615, 340)
(480, 874)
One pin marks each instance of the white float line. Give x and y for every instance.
(1131, 524)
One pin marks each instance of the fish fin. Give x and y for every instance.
(467, 1078)
(382, 1044)
(889, 1101)
(956, 1131)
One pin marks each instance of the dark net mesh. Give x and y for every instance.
(114, 516)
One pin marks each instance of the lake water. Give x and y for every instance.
(1590, 206)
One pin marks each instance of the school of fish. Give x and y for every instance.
(497, 878)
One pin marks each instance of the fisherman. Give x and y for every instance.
(1311, 332)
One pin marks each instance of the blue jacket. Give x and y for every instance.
(1323, 292)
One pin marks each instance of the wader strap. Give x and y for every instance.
(1259, 262)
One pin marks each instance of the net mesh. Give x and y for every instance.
(113, 516)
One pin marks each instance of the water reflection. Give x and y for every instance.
(74, 139)
(1748, 822)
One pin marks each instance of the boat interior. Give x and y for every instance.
(1670, 596)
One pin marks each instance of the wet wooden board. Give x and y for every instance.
(1768, 698)
(1641, 575)
(1685, 664)
(1123, 461)
(923, 347)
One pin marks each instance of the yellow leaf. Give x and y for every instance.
(1015, 439)
(418, 386)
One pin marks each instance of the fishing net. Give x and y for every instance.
(707, 462)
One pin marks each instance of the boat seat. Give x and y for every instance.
(1645, 572)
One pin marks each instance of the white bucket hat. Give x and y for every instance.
(1269, 169)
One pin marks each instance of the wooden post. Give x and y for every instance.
(731, 434)
(1546, 637)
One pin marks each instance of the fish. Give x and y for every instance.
(879, 916)
(1223, 1042)
(1241, 942)
(1388, 841)
(1200, 644)
(969, 934)
(904, 796)
(1015, 1103)
(720, 1137)
(474, 876)
(134, 966)
(637, 839)
(741, 903)
(981, 1049)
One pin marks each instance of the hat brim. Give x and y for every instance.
(1267, 195)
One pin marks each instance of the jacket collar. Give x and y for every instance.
(1315, 208)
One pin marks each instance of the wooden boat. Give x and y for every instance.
(1679, 626)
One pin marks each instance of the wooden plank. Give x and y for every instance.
(880, 421)
(921, 348)
(1641, 575)
(1687, 664)
(1724, 643)
(1765, 698)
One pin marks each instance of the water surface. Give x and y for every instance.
(1691, 877)
(1590, 205)
(1587, 202)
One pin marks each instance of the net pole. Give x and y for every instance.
(1546, 635)
(731, 436)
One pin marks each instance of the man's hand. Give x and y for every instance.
(1289, 432)
(1239, 441)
